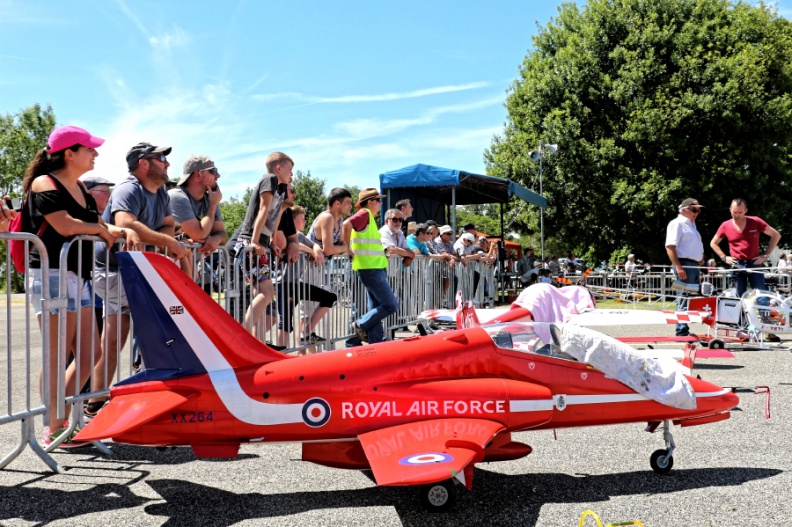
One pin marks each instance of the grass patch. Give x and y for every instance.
(610, 303)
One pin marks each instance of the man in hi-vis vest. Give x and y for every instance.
(369, 262)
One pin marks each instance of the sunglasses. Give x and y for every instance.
(396, 220)
(212, 170)
(694, 211)
(161, 157)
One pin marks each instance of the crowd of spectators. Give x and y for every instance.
(150, 211)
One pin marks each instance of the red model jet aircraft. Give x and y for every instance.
(420, 411)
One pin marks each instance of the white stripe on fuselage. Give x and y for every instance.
(538, 405)
(221, 374)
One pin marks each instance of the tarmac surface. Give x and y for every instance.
(732, 473)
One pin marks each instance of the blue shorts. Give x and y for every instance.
(77, 290)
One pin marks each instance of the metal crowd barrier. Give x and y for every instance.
(231, 281)
(20, 393)
(656, 285)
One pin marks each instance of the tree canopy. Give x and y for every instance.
(310, 193)
(21, 136)
(651, 102)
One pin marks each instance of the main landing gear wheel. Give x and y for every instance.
(437, 497)
(661, 461)
(716, 344)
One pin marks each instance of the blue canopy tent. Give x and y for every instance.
(431, 189)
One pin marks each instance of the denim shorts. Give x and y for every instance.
(77, 290)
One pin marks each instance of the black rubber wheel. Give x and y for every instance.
(661, 462)
(716, 344)
(437, 497)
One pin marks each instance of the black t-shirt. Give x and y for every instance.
(287, 223)
(50, 201)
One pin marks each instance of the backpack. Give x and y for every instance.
(22, 223)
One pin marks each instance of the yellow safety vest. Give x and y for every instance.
(367, 247)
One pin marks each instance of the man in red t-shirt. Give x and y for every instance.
(743, 234)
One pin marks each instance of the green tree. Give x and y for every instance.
(650, 103)
(234, 211)
(310, 193)
(486, 217)
(355, 191)
(21, 136)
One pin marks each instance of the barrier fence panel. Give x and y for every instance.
(26, 351)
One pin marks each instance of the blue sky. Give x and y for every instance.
(348, 89)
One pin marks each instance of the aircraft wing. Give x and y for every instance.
(636, 317)
(594, 317)
(126, 412)
(427, 451)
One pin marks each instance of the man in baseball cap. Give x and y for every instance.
(690, 203)
(144, 150)
(196, 203)
(685, 250)
(91, 181)
(140, 206)
(99, 188)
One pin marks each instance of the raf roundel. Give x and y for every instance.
(316, 412)
(426, 458)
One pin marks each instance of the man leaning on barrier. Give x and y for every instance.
(393, 240)
(258, 227)
(327, 227)
(685, 250)
(140, 206)
(195, 202)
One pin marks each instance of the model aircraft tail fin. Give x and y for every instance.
(181, 329)
(689, 357)
(704, 305)
(465, 313)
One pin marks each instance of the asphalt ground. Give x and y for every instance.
(732, 473)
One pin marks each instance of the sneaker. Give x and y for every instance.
(360, 332)
(313, 338)
(275, 346)
(92, 408)
(772, 337)
(137, 365)
(48, 437)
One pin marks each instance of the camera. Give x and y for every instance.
(14, 204)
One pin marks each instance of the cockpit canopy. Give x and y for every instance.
(527, 337)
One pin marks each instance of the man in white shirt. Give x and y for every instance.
(685, 250)
(629, 265)
(392, 237)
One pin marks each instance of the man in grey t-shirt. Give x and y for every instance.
(196, 203)
(141, 207)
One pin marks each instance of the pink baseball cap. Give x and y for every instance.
(65, 136)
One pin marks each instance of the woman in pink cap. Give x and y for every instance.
(57, 198)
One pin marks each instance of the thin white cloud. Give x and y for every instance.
(165, 41)
(168, 41)
(380, 151)
(383, 97)
(29, 13)
(122, 5)
(404, 95)
(377, 127)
